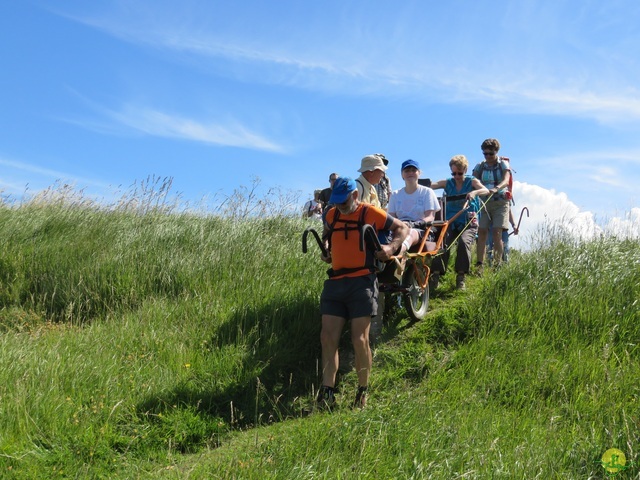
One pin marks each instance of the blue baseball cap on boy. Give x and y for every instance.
(410, 163)
(342, 187)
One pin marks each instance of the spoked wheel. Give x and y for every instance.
(416, 298)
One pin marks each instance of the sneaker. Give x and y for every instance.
(434, 280)
(361, 398)
(326, 399)
(460, 282)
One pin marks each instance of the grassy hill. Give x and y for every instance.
(145, 343)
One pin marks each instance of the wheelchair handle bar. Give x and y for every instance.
(318, 241)
(520, 219)
(369, 233)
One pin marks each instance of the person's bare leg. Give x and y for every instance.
(360, 339)
(329, 340)
(482, 244)
(497, 246)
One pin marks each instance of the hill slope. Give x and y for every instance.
(158, 344)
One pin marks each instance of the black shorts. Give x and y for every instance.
(350, 297)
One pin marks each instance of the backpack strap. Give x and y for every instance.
(349, 225)
(362, 185)
(494, 173)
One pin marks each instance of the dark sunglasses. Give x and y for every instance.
(488, 153)
(457, 174)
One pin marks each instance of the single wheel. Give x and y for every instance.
(416, 298)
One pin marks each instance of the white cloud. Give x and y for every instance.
(153, 122)
(552, 212)
(161, 124)
(626, 227)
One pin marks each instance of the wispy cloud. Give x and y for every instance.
(161, 124)
(589, 169)
(148, 121)
(532, 73)
(48, 173)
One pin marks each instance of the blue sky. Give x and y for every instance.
(213, 94)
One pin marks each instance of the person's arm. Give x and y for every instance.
(400, 231)
(325, 241)
(429, 216)
(478, 189)
(503, 183)
(438, 184)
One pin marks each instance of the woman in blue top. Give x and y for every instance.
(458, 189)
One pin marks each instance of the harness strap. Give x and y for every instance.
(349, 225)
(343, 271)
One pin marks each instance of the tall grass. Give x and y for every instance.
(144, 340)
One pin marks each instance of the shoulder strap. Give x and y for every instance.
(363, 213)
(348, 225)
(478, 169)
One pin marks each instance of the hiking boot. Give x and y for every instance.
(326, 399)
(460, 282)
(361, 398)
(479, 269)
(434, 280)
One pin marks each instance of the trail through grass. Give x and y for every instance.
(158, 344)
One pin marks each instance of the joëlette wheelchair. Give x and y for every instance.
(412, 284)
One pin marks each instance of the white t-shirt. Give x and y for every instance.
(411, 206)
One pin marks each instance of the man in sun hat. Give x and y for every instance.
(383, 188)
(351, 292)
(372, 168)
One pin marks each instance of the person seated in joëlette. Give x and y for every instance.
(415, 205)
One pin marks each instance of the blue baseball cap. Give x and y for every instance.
(410, 163)
(342, 187)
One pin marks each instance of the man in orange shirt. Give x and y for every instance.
(351, 292)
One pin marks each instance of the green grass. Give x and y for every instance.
(142, 342)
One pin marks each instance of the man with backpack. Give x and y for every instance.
(351, 292)
(495, 174)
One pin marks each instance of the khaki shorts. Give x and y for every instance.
(495, 215)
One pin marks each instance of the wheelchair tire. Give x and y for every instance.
(416, 298)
